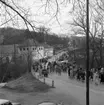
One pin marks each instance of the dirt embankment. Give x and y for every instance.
(27, 83)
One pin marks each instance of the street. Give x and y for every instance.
(78, 90)
(70, 92)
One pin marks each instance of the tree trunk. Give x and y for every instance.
(29, 63)
(101, 57)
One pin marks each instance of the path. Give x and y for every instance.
(79, 92)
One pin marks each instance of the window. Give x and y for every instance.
(20, 49)
(33, 48)
(40, 48)
(27, 48)
(24, 49)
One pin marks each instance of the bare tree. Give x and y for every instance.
(12, 12)
(78, 11)
(79, 26)
(44, 31)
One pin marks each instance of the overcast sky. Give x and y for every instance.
(42, 18)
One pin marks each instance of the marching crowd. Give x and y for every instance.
(73, 70)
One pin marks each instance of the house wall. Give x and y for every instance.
(36, 52)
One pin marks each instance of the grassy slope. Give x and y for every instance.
(27, 83)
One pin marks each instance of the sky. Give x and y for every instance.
(43, 19)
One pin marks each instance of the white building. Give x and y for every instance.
(35, 49)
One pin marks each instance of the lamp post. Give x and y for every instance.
(87, 52)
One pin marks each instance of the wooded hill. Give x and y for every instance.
(12, 35)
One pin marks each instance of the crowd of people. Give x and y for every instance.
(95, 75)
(73, 70)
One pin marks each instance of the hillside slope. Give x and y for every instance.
(27, 83)
(11, 35)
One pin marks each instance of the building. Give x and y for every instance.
(29, 48)
(35, 49)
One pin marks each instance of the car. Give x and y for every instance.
(7, 102)
(49, 103)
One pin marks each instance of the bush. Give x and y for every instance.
(3, 69)
(16, 70)
(12, 71)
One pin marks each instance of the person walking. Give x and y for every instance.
(96, 78)
(40, 70)
(102, 75)
(69, 71)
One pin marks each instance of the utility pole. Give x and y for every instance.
(101, 50)
(101, 45)
(87, 52)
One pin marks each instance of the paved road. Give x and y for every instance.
(94, 87)
(78, 91)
